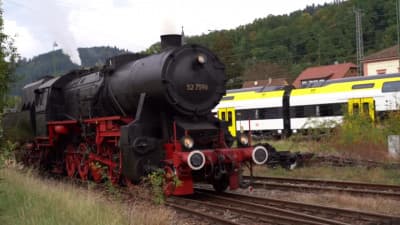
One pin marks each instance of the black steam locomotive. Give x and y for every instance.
(135, 115)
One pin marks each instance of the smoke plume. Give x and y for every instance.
(170, 18)
(52, 17)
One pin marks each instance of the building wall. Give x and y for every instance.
(381, 67)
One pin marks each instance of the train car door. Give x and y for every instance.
(363, 106)
(229, 115)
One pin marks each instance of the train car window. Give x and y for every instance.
(339, 108)
(229, 118)
(244, 114)
(309, 111)
(362, 86)
(37, 98)
(225, 98)
(356, 108)
(335, 109)
(326, 110)
(317, 110)
(391, 86)
(298, 111)
(365, 108)
(259, 114)
(271, 113)
(223, 116)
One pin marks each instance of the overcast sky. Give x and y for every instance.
(128, 24)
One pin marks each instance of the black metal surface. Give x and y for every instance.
(171, 41)
(172, 81)
(174, 90)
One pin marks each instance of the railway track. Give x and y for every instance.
(233, 209)
(228, 208)
(330, 160)
(314, 185)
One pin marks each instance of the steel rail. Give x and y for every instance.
(344, 215)
(270, 217)
(201, 214)
(325, 185)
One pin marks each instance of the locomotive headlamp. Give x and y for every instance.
(259, 155)
(196, 160)
(244, 140)
(202, 59)
(187, 142)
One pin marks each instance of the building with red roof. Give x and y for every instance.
(385, 61)
(313, 76)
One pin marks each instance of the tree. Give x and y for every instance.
(265, 70)
(8, 59)
(223, 47)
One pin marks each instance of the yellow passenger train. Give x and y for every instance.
(283, 110)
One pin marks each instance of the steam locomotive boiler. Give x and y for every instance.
(135, 115)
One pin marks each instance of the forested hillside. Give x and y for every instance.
(57, 63)
(274, 46)
(282, 46)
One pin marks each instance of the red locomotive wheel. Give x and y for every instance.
(96, 172)
(70, 161)
(83, 163)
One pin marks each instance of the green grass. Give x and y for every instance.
(294, 144)
(357, 137)
(28, 200)
(361, 174)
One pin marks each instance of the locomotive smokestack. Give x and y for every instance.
(171, 40)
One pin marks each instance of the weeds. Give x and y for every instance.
(27, 199)
(7, 153)
(158, 181)
(359, 137)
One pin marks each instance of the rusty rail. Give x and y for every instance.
(247, 213)
(325, 185)
(332, 215)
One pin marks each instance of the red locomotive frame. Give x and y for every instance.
(94, 157)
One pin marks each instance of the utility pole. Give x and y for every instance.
(359, 41)
(398, 32)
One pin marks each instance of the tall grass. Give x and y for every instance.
(358, 136)
(29, 200)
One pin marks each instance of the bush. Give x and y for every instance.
(359, 136)
(6, 152)
(357, 129)
(158, 180)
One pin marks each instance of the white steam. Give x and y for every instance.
(170, 18)
(52, 17)
(169, 26)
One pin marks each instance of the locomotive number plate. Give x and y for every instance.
(197, 87)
